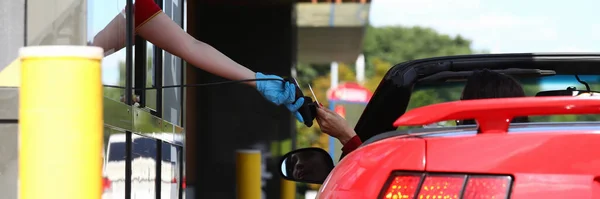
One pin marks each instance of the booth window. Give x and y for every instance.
(154, 69)
(148, 74)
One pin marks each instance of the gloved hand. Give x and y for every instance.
(294, 109)
(279, 92)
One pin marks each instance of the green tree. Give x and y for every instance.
(384, 47)
(396, 44)
(117, 93)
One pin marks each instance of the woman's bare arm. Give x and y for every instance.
(166, 34)
(155, 26)
(112, 37)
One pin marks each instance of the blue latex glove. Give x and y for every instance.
(294, 109)
(279, 93)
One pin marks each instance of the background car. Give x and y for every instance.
(143, 168)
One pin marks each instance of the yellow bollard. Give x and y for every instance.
(248, 171)
(60, 122)
(288, 189)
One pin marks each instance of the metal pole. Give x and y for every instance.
(334, 75)
(129, 42)
(60, 122)
(288, 189)
(360, 69)
(248, 174)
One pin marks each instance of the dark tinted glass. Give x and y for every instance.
(144, 148)
(166, 152)
(116, 151)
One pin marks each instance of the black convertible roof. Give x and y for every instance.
(391, 97)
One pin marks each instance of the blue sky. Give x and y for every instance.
(102, 13)
(500, 26)
(503, 26)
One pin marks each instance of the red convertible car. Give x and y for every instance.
(554, 155)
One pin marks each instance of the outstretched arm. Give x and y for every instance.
(155, 26)
(334, 125)
(176, 41)
(112, 37)
(350, 146)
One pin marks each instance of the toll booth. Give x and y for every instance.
(147, 151)
(143, 138)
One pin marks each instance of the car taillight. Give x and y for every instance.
(182, 182)
(403, 187)
(442, 186)
(487, 187)
(105, 184)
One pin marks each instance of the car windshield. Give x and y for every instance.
(143, 147)
(117, 151)
(428, 94)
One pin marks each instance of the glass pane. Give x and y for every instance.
(151, 97)
(170, 179)
(424, 95)
(143, 166)
(351, 112)
(106, 28)
(172, 69)
(113, 169)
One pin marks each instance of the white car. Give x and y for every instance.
(143, 175)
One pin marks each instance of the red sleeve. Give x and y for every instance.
(144, 11)
(351, 145)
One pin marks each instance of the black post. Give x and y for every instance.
(140, 70)
(158, 178)
(128, 90)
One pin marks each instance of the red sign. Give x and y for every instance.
(340, 110)
(351, 92)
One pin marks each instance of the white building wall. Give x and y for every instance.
(12, 33)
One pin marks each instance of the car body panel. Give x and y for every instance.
(362, 173)
(544, 165)
(535, 160)
(516, 153)
(554, 186)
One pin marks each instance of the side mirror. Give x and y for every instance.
(308, 165)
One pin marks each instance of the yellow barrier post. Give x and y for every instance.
(288, 189)
(60, 122)
(248, 163)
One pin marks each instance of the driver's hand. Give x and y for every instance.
(334, 125)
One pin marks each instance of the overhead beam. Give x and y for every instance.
(330, 32)
(324, 45)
